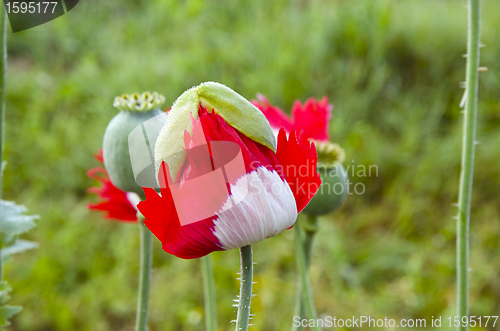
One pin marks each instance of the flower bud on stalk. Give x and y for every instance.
(222, 175)
(134, 110)
(333, 190)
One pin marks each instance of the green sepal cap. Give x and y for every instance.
(232, 107)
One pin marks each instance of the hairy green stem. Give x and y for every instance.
(141, 321)
(207, 270)
(305, 286)
(3, 65)
(468, 147)
(310, 228)
(245, 298)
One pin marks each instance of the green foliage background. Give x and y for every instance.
(393, 71)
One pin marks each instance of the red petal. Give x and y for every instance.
(189, 241)
(276, 117)
(98, 173)
(115, 210)
(298, 158)
(98, 156)
(314, 117)
(113, 201)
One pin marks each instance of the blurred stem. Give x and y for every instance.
(207, 270)
(305, 286)
(467, 173)
(3, 58)
(144, 277)
(311, 226)
(245, 298)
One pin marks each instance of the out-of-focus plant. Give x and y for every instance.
(313, 118)
(210, 129)
(119, 191)
(13, 221)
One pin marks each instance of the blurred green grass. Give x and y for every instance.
(392, 69)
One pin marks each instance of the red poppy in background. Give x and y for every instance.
(117, 204)
(313, 116)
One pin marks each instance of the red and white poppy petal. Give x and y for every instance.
(313, 117)
(261, 206)
(298, 158)
(277, 118)
(187, 242)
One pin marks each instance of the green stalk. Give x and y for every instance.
(310, 228)
(3, 65)
(144, 278)
(207, 270)
(467, 173)
(245, 298)
(305, 286)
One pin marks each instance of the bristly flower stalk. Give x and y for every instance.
(467, 169)
(246, 279)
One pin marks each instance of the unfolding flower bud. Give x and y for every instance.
(236, 111)
(333, 189)
(134, 110)
(225, 180)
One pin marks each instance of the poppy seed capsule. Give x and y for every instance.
(333, 190)
(134, 110)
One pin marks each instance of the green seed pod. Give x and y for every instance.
(134, 110)
(334, 181)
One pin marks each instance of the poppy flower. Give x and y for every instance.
(313, 116)
(117, 204)
(225, 182)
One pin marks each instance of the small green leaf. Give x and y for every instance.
(19, 246)
(13, 222)
(6, 311)
(5, 289)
